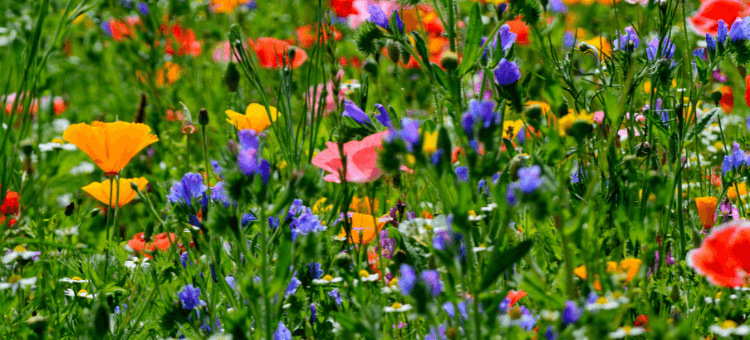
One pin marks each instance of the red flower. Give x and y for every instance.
(727, 99)
(307, 35)
(747, 89)
(10, 204)
(706, 20)
(186, 42)
(159, 241)
(343, 8)
(270, 52)
(513, 297)
(641, 321)
(723, 256)
(521, 30)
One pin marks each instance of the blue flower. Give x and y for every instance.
(282, 333)
(448, 308)
(667, 49)
(217, 168)
(184, 259)
(190, 297)
(143, 8)
(436, 156)
(247, 218)
(569, 39)
(738, 156)
(740, 30)
(462, 173)
(313, 313)
(230, 281)
(305, 223)
(377, 16)
(479, 112)
(383, 117)
(550, 334)
(558, 6)
(482, 185)
(248, 158)
(408, 279)
(510, 194)
(572, 313)
(721, 35)
(409, 133)
(219, 194)
(431, 279)
(353, 111)
(436, 334)
(623, 42)
(315, 270)
(506, 38)
(462, 310)
(106, 28)
(507, 72)
(710, 43)
(336, 296)
(399, 23)
(529, 179)
(291, 288)
(188, 188)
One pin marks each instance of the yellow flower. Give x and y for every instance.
(601, 44)
(429, 144)
(566, 122)
(732, 191)
(110, 145)
(626, 269)
(255, 117)
(101, 191)
(511, 128)
(363, 229)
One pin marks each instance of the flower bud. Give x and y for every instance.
(449, 60)
(140, 114)
(716, 96)
(69, 209)
(232, 77)
(371, 66)
(203, 117)
(394, 52)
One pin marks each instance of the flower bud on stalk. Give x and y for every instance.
(394, 53)
(203, 117)
(140, 114)
(232, 77)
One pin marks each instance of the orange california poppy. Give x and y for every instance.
(363, 229)
(110, 145)
(362, 205)
(272, 51)
(101, 192)
(732, 191)
(706, 210)
(727, 99)
(255, 117)
(626, 269)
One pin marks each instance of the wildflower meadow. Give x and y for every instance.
(374, 169)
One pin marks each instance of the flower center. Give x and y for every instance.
(627, 329)
(363, 273)
(394, 281)
(328, 278)
(728, 324)
(616, 295)
(76, 278)
(83, 292)
(515, 313)
(396, 305)
(602, 300)
(19, 248)
(14, 278)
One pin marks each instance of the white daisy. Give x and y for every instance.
(81, 293)
(16, 281)
(482, 247)
(19, 252)
(326, 280)
(82, 168)
(366, 277)
(626, 331)
(729, 328)
(611, 301)
(67, 231)
(489, 207)
(397, 308)
(74, 279)
(135, 262)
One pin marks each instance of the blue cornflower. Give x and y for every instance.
(383, 117)
(550, 334)
(710, 43)
(431, 279)
(529, 179)
(482, 185)
(353, 111)
(315, 270)
(291, 288)
(377, 16)
(305, 223)
(248, 158)
(507, 72)
(569, 39)
(247, 218)
(188, 188)
(436, 156)
(623, 42)
(721, 33)
(184, 259)
(572, 313)
(408, 279)
(143, 8)
(106, 28)
(462, 173)
(282, 333)
(190, 297)
(336, 296)
(667, 49)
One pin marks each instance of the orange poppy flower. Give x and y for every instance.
(706, 210)
(362, 205)
(272, 51)
(727, 99)
(255, 117)
(363, 229)
(521, 30)
(723, 256)
(159, 241)
(308, 35)
(626, 269)
(513, 296)
(110, 145)
(101, 192)
(732, 191)
(343, 8)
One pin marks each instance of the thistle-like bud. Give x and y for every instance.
(140, 114)
(203, 117)
(292, 52)
(394, 52)
(449, 61)
(232, 77)
(69, 209)
(134, 186)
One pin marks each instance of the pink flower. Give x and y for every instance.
(223, 52)
(706, 20)
(361, 160)
(313, 97)
(361, 6)
(599, 116)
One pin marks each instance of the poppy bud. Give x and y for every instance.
(371, 66)
(203, 117)
(716, 97)
(69, 209)
(449, 61)
(515, 164)
(533, 112)
(581, 129)
(451, 333)
(134, 186)
(140, 114)
(405, 56)
(393, 51)
(27, 147)
(232, 77)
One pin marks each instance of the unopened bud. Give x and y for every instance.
(69, 209)
(394, 52)
(371, 66)
(449, 61)
(716, 96)
(203, 117)
(134, 186)
(140, 114)
(232, 77)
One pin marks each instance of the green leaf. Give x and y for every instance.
(702, 123)
(473, 39)
(421, 49)
(500, 261)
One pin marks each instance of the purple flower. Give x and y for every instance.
(431, 279)
(448, 308)
(479, 112)
(106, 28)
(625, 39)
(507, 72)
(184, 259)
(315, 270)
(408, 279)
(377, 16)
(399, 23)
(506, 38)
(510, 194)
(572, 313)
(190, 297)
(550, 334)
(387, 244)
(313, 313)
(462, 173)
(383, 117)
(188, 188)
(282, 333)
(738, 156)
(528, 179)
(667, 49)
(710, 43)
(230, 281)
(721, 35)
(436, 334)
(336, 296)
(305, 223)
(726, 165)
(248, 158)
(353, 111)
(569, 39)
(291, 288)
(247, 218)
(740, 30)
(217, 169)
(143, 8)
(670, 259)
(409, 133)
(219, 194)
(558, 6)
